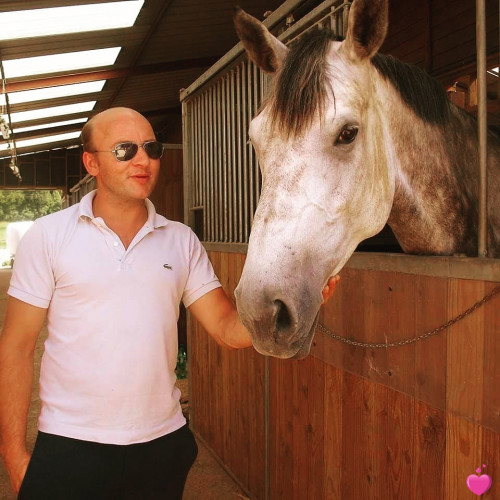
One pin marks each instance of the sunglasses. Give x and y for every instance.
(125, 151)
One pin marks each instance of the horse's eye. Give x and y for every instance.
(347, 135)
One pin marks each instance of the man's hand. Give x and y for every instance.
(330, 288)
(17, 345)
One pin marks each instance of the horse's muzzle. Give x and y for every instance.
(274, 324)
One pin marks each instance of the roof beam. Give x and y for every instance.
(109, 74)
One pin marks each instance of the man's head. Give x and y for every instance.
(121, 152)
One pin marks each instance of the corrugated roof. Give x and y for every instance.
(170, 45)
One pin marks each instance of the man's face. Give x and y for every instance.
(133, 179)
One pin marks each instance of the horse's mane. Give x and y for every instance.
(301, 86)
(422, 93)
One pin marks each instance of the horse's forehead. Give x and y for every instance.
(341, 71)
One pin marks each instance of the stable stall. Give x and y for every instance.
(353, 420)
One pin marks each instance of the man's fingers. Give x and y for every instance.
(330, 288)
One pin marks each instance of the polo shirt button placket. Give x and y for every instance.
(119, 253)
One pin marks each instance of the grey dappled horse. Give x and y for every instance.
(349, 140)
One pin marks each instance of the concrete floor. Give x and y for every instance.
(207, 480)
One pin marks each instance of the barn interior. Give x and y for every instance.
(55, 75)
(155, 50)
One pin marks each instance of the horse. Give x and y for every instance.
(348, 140)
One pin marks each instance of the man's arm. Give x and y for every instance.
(219, 316)
(23, 323)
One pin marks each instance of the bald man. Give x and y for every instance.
(108, 275)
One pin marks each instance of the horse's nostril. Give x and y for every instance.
(283, 319)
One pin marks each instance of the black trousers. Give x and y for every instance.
(70, 469)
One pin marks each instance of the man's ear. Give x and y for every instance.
(90, 163)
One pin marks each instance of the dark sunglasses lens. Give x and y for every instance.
(126, 151)
(154, 149)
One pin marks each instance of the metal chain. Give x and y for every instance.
(400, 343)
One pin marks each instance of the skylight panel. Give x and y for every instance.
(36, 114)
(49, 125)
(60, 62)
(72, 19)
(52, 92)
(42, 140)
(493, 71)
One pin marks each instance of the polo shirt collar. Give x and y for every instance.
(154, 220)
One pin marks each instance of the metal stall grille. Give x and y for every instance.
(224, 172)
(222, 178)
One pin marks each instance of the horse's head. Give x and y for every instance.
(321, 140)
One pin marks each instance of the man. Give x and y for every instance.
(108, 274)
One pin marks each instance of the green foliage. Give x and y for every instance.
(3, 243)
(17, 205)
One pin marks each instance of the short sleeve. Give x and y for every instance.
(202, 278)
(32, 276)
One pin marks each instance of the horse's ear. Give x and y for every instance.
(368, 20)
(263, 48)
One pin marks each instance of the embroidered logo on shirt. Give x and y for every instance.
(167, 266)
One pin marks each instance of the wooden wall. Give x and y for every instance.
(57, 169)
(353, 423)
(168, 196)
(440, 35)
(168, 199)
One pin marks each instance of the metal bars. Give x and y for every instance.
(223, 178)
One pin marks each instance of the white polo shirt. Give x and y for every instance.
(107, 374)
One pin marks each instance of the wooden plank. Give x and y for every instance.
(490, 457)
(256, 418)
(235, 431)
(231, 372)
(364, 428)
(323, 347)
(491, 375)
(430, 452)
(228, 416)
(375, 361)
(430, 355)
(353, 298)
(463, 456)
(244, 376)
(399, 314)
(400, 445)
(450, 43)
(465, 353)
(281, 431)
(333, 432)
(314, 428)
(300, 446)
(443, 9)
(251, 373)
(403, 48)
(453, 21)
(399, 306)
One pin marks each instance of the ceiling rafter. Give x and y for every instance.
(16, 85)
(141, 47)
(170, 45)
